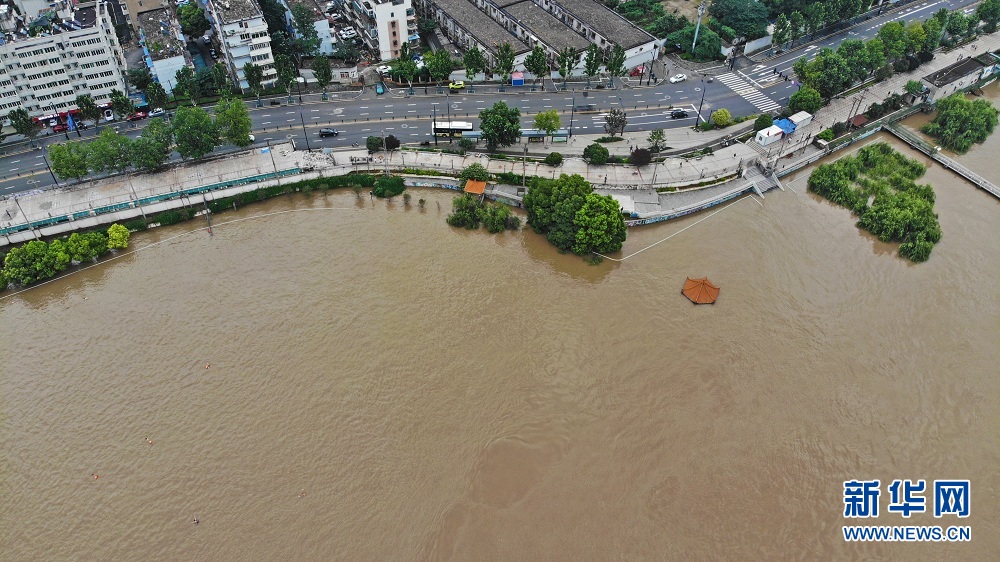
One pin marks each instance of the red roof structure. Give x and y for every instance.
(700, 291)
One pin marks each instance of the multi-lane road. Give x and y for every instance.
(754, 89)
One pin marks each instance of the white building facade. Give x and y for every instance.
(384, 25)
(79, 55)
(242, 34)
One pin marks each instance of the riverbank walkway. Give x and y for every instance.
(912, 139)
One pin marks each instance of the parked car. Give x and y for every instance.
(637, 71)
(678, 114)
(384, 69)
(328, 132)
(252, 138)
(157, 112)
(206, 39)
(60, 128)
(137, 116)
(214, 54)
(456, 85)
(109, 115)
(678, 78)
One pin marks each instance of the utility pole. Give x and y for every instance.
(701, 12)
(697, 117)
(434, 124)
(50, 169)
(650, 75)
(304, 134)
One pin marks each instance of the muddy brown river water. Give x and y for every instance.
(362, 382)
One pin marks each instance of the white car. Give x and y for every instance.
(678, 78)
(252, 138)
(157, 112)
(384, 69)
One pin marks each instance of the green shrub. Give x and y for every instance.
(388, 186)
(596, 154)
(553, 159)
(762, 122)
(609, 139)
(508, 178)
(826, 135)
(466, 144)
(722, 118)
(475, 171)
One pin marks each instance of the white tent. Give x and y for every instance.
(769, 135)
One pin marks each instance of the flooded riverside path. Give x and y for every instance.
(369, 384)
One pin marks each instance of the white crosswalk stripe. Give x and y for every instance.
(748, 92)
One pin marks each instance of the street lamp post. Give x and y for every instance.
(524, 163)
(298, 84)
(650, 75)
(434, 124)
(304, 133)
(50, 169)
(572, 113)
(700, 105)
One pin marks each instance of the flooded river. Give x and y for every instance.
(361, 382)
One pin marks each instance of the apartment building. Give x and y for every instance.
(468, 26)
(163, 48)
(242, 34)
(74, 52)
(604, 27)
(384, 25)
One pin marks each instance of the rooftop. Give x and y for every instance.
(231, 11)
(161, 31)
(953, 72)
(606, 22)
(480, 25)
(546, 27)
(86, 16)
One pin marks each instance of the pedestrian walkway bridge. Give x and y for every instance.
(923, 146)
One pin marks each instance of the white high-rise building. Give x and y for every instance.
(74, 51)
(242, 34)
(384, 25)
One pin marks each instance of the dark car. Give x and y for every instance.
(328, 132)
(137, 116)
(678, 114)
(60, 128)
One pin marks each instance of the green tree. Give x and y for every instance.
(139, 78)
(505, 61)
(615, 122)
(186, 84)
(118, 237)
(22, 123)
(796, 22)
(567, 60)
(464, 212)
(958, 25)
(110, 151)
(548, 121)
(782, 31)
(536, 63)
(34, 261)
(121, 104)
(232, 121)
(959, 123)
(156, 95)
(152, 149)
(876, 54)
(709, 43)
(616, 62)
(815, 16)
(806, 99)
(287, 72)
(192, 20)
(220, 80)
(440, 65)
(88, 107)
(828, 72)
(596, 154)
(407, 70)
(762, 122)
(388, 186)
(391, 143)
(347, 52)
(69, 160)
(254, 76)
(474, 171)
(500, 125)
(933, 28)
(194, 132)
(600, 226)
(322, 71)
(656, 139)
(913, 87)
(592, 61)
(307, 42)
(373, 143)
(722, 118)
(746, 17)
(857, 58)
(475, 62)
(916, 36)
(552, 206)
(989, 12)
(894, 39)
(86, 247)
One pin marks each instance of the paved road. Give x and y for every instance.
(752, 90)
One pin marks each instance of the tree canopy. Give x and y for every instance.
(709, 43)
(505, 60)
(232, 121)
(806, 99)
(500, 125)
(747, 17)
(536, 63)
(959, 123)
(572, 217)
(192, 19)
(475, 62)
(195, 133)
(548, 121)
